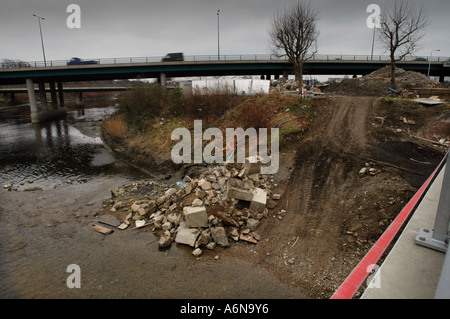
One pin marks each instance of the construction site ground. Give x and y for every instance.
(330, 214)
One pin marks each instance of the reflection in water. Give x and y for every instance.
(53, 152)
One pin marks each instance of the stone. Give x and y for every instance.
(167, 225)
(259, 199)
(252, 165)
(248, 238)
(187, 201)
(204, 184)
(197, 252)
(252, 223)
(170, 192)
(187, 236)
(211, 245)
(239, 189)
(165, 240)
(204, 238)
(196, 216)
(220, 237)
(363, 170)
(197, 202)
(276, 196)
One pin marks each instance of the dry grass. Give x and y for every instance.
(115, 126)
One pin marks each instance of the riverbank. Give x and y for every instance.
(348, 165)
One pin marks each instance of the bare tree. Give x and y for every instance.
(294, 34)
(402, 27)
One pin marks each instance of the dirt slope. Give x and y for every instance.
(333, 215)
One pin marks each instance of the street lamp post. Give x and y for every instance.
(429, 62)
(42, 39)
(218, 36)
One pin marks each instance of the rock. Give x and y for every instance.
(170, 192)
(363, 170)
(248, 238)
(187, 236)
(197, 202)
(252, 224)
(220, 237)
(197, 252)
(204, 238)
(165, 240)
(258, 201)
(167, 225)
(211, 245)
(187, 201)
(276, 196)
(196, 216)
(239, 189)
(204, 184)
(151, 207)
(252, 165)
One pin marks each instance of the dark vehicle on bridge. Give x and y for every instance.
(173, 57)
(421, 59)
(78, 61)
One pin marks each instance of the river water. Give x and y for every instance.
(60, 173)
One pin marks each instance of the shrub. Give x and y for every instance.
(209, 104)
(142, 101)
(253, 114)
(175, 100)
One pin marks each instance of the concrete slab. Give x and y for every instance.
(411, 271)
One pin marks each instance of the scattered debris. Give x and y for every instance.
(101, 229)
(223, 204)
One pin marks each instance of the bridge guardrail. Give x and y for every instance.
(215, 58)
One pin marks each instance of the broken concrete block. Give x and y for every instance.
(220, 237)
(276, 196)
(239, 189)
(170, 192)
(252, 165)
(187, 236)
(258, 201)
(204, 184)
(252, 223)
(165, 240)
(195, 216)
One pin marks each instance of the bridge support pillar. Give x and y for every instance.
(53, 95)
(42, 114)
(162, 79)
(43, 95)
(60, 94)
(285, 75)
(78, 98)
(441, 78)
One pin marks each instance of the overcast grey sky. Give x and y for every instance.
(140, 28)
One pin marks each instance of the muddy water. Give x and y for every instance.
(61, 172)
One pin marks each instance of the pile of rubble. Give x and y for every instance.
(378, 83)
(222, 205)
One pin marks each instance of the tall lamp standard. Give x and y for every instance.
(218, 36)
(42, 39)
(429, 62)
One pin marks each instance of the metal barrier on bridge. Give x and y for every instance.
(224, 58)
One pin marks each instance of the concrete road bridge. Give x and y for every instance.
(56, 72)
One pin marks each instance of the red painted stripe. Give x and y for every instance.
(362, 270)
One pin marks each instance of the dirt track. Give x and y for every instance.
(333, 216)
